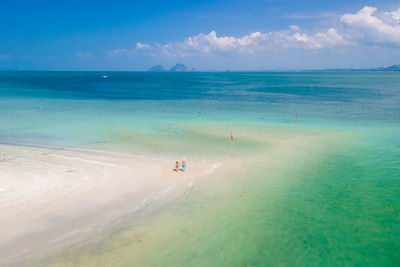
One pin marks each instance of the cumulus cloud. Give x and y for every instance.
(211, 42)
(319, 40)
(142, 46)
(250, 43)
(394, 15)
(257, 41)
(368, 26)
(364, 27)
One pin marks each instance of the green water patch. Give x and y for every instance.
(223, 220)
(204, 140)
(334, 204)
(344, 214)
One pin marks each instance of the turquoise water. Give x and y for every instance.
(341, 208)
(75, 107)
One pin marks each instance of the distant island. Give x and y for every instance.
(157, 68)
(395, 67)
(178, 67)
(390, 68)
(182, 68)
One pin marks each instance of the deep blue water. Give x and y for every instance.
(356, 95)
(276, 97)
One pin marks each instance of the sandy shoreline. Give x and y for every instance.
(52, 195)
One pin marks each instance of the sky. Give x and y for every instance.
(206, 35)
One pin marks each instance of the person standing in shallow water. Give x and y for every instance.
(183, 165)
(177, 166)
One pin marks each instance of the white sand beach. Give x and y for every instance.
(50, 196)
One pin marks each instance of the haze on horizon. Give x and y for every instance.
(218, 35)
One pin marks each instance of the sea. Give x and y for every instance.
(340, 208)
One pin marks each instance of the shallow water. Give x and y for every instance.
(337, 202)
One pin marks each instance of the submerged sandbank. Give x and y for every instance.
(197, 226)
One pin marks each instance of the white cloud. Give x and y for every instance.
(254, 42)
(395, 15)
(294, 28)
(368, 26)
(365, 27)
(211, 42)
(329, 38)
(142, 46)
(85, 55)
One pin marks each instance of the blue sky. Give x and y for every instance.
(207, 35)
